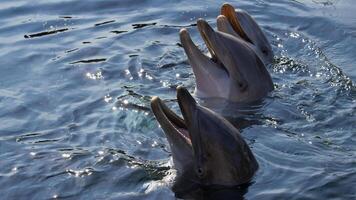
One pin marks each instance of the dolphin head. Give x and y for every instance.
(206, 149)
(233, 72)
(242, 25)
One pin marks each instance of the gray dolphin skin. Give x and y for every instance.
(233, 72)
(241, 24)
(207, 150)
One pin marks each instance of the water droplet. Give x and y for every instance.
(107, 98)
(66, 155)
(149, 77)
(94, 76)
(154, 144)
(294, 35)
(127, 72)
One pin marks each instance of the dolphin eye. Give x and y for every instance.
(242, 86)
(265, 51)
(200, 172)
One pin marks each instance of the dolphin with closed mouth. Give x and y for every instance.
(207, 150)
(233, 72)
(241, 24)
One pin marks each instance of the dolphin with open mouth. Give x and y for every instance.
(207, 150)
(233, 71)
(241, 24)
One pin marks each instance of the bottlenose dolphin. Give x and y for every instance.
(207, 151)
(241, 24)
(233, 72)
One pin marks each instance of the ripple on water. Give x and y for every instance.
(77, 78)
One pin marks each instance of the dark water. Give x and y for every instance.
(77, 78)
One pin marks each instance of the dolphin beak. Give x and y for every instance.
(189, 109)
(192, 51)
(224, 25)
(173, 125)
(188, 106)
(207, 34)
(181, 133)
(208, 71)
(229, 12)
(219, 49)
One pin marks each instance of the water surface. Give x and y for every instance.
(77, 78)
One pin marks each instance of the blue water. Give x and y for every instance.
(77, 77)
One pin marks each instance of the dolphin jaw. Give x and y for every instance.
(229, 12)
(223, 25)
(208, 35)
(191, 48)
(203, 28)
(170, 119)
(208, 69)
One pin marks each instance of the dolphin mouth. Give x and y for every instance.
(194, 53)
(229, 12)
(206, 32)
(209, 72)
(191, 49)
(212, 42)
(168, 119)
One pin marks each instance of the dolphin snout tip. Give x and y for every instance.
(155, 104)
(201, 22)
(182, 92)
(154, 99)
(226, 5)
(183, 31)
(181, 89)
(200, 19)
(184, 34)
(204, 28)
(203, 25)
(221, 18)
(227, 9)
